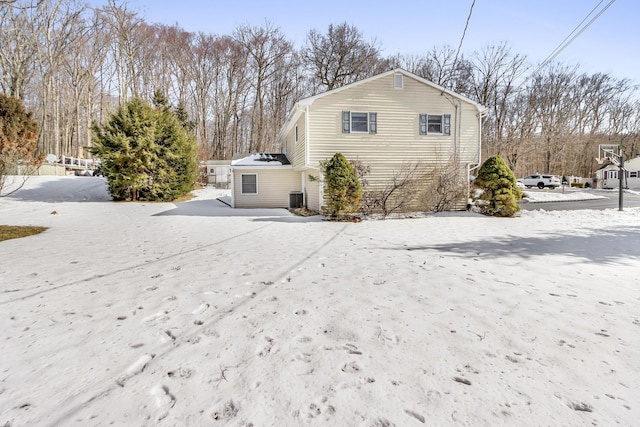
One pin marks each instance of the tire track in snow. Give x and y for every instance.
(121, 270)
(107, 386)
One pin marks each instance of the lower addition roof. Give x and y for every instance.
(263, 159)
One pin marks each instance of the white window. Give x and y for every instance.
(359, 122)
(633, 174)
(296, 133)
(397, 81)
(249, 184)
(435, 124)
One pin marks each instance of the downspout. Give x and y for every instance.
(480, 115)
(306, 138)
(307, 161)
(233, 192)
(458, 130)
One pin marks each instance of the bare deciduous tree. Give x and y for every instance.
(445, 187)
(267, 48)
(341, 56)
(17, 49)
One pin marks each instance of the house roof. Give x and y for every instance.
(299, 107)
(629, 164)
(262, 159)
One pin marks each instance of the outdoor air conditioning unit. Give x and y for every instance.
(296, 199)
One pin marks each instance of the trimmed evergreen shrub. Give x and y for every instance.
(342, 188)
(500, 193)
(146, 153)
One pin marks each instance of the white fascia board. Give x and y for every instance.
(253, 167)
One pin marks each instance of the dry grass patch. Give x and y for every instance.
(15, 231)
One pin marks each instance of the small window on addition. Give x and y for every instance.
(397, 81)
(249, 184)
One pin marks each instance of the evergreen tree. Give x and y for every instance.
(18, 137)
(145, 152)
(501, 194)
(183, 116)
(342, 188)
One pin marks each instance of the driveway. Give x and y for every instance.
(608, 200)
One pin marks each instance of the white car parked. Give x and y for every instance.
(541, 181)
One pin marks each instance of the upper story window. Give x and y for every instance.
(435, 124)
(359, 122)
(397, 81)
(296, 133)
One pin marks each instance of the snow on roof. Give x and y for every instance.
(262, 159)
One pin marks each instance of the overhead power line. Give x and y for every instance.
(464, 32)
(573, 35)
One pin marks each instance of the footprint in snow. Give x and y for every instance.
(303, 357)
(266, 349)
(159, 316)
(164, 401)
(226, 410)
(201, 309)
(351, 368)
(167, 336)
(135, 368)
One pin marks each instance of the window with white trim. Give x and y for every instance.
(359, 122)
(633, 174)
(438, 124)
(296, 133)
(397, 81)
(249, 183)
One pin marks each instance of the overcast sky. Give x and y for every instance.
(531, 27)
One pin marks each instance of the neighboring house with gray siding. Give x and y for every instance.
(386, 122)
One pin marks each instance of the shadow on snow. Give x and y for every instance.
(216, 208)
(612, 245)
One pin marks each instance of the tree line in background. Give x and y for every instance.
(72, 64)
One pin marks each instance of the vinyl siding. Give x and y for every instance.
(296, 151)
(312, 191)
(397, 141)
(274, 187)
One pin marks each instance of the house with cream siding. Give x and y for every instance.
(386, 122)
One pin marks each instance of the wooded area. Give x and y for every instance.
(72, 64)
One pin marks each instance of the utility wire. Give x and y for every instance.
(570, 38)
(455, 60)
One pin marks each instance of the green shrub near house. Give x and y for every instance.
(500, 193)
(146, 153)
(342, 189)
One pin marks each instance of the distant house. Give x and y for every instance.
(218, 173)
(607, 176)
(385, 122)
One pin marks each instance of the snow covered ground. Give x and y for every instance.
(198, 314)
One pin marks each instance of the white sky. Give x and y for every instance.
(196, 314)
(532, 28)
